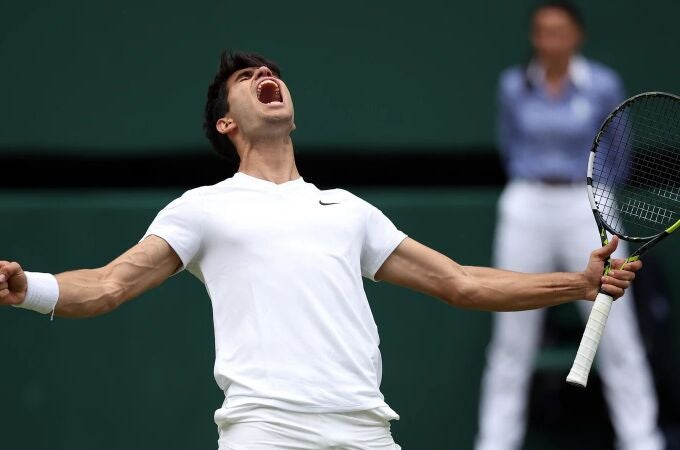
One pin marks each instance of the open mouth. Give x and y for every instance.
(268, 92)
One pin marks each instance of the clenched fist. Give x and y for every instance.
(12, 283)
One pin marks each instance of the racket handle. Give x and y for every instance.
(578, 376)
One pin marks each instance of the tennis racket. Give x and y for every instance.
(633, 184)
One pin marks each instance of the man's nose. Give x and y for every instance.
(263, 71)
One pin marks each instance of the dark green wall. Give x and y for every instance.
(128, 76)
(141, 377)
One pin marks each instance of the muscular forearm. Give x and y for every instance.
(87, 293)
(500, 290)
(420, 268)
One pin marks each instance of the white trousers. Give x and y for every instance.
(551, 228)
(265, 428)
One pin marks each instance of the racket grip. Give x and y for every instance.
(578, 376)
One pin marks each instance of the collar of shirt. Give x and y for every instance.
(248, 181)
(579, 72)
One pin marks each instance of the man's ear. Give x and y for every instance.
(225, 125)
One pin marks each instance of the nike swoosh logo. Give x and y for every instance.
(326, 204)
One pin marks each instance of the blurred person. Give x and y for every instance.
(549, 112)
(296, 344)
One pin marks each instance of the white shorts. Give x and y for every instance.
(266, 428)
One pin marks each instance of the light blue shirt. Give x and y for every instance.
(543, 137)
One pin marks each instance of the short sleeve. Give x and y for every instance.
(380, 239)
(179, 224)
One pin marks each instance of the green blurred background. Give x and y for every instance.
(130, 76)
(127, 80)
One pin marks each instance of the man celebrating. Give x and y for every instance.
(296, 345)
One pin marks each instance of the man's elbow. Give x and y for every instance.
(459, 292)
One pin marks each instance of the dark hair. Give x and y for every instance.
(566, 7)
(216, 105)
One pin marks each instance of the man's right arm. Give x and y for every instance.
(91, 292)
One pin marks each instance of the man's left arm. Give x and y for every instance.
(418, 267)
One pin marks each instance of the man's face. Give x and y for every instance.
(259, 102)
(554, 34)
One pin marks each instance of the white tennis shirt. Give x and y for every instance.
(283, 265)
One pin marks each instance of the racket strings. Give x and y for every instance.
(636, 171)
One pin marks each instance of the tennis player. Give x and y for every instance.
(296, 345)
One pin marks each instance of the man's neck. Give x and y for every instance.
(271, 161)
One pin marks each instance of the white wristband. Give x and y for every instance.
(42, 292)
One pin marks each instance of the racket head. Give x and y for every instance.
(634, 168)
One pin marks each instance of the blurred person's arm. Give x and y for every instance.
(504, 127)
(425, 270)
(615, 93)
(612, 95)
(91, 292)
